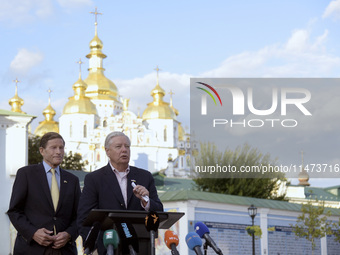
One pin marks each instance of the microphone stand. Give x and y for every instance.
(152, 237)
(205, 247)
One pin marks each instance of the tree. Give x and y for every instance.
(311, 224)
(257, 185)
(71, 161)
(34, 156)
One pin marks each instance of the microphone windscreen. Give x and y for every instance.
(92, 236)
(152, 221)
(111, 237)
(201, 229)
(170, 237)
(193, 240)
(128, 236)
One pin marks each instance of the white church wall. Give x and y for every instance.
(13, 155)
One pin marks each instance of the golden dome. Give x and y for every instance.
(98, 86)
(16, 102)
(47, 125)
(181, 132)
(96, 44)
(79, 103)
(158, 109)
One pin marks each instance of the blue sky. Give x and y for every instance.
(42, 40)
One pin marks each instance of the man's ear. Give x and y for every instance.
(41, 150)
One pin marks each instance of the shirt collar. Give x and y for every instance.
(48, 168)
(115, 170)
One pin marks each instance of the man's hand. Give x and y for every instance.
(61, 239)
(140, 191)
(43, 237)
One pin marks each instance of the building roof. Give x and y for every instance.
(185, 195)
(325, 194)
(321, 194)
(10, 113)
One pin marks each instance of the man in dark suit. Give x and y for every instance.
(110, 186)
(45, 219)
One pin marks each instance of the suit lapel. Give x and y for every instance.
(113, 185)
(63, 187)
(131, 176)
(41, 177)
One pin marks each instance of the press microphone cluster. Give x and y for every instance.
(128, 238)
(203, 231)
(91, 239)
(194, 242)
(111, 241)
(171, 240)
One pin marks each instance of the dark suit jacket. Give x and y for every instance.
(31, 208)
(102, 191)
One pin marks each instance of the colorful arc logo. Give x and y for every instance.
(213, 90)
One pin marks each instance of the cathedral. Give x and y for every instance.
(157, 138)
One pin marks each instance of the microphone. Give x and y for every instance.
(133, 184)
(152, 224)
(111, 241)
(203, 231)
(90, 241)
(171, 240)
(128, 238)
(194, 242)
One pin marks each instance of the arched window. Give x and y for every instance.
(70, 129)
(85, 130)
(165, 134)
(104, 123)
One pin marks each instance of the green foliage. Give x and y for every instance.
(73, 162)
(336, 231)
(70, 162)
(311, 224)
(233, 183)
(254, 229)
(34, 156)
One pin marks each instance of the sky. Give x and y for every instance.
(42, 41)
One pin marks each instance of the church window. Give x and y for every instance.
(85, 130)
(70, 129)
(165, 134)
(104, 123)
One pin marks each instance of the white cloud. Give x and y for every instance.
(300, 56)
(137, 90)
(74, 3)
(25, 60)
(17, 12)
(22, 11)
(333, 9)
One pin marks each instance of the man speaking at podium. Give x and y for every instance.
(110, 187)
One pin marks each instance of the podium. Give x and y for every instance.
(108, 218)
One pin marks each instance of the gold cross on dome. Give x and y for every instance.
(16, 85)
(49, 95)
(80, 63)
(157, 70)
(95, 13)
